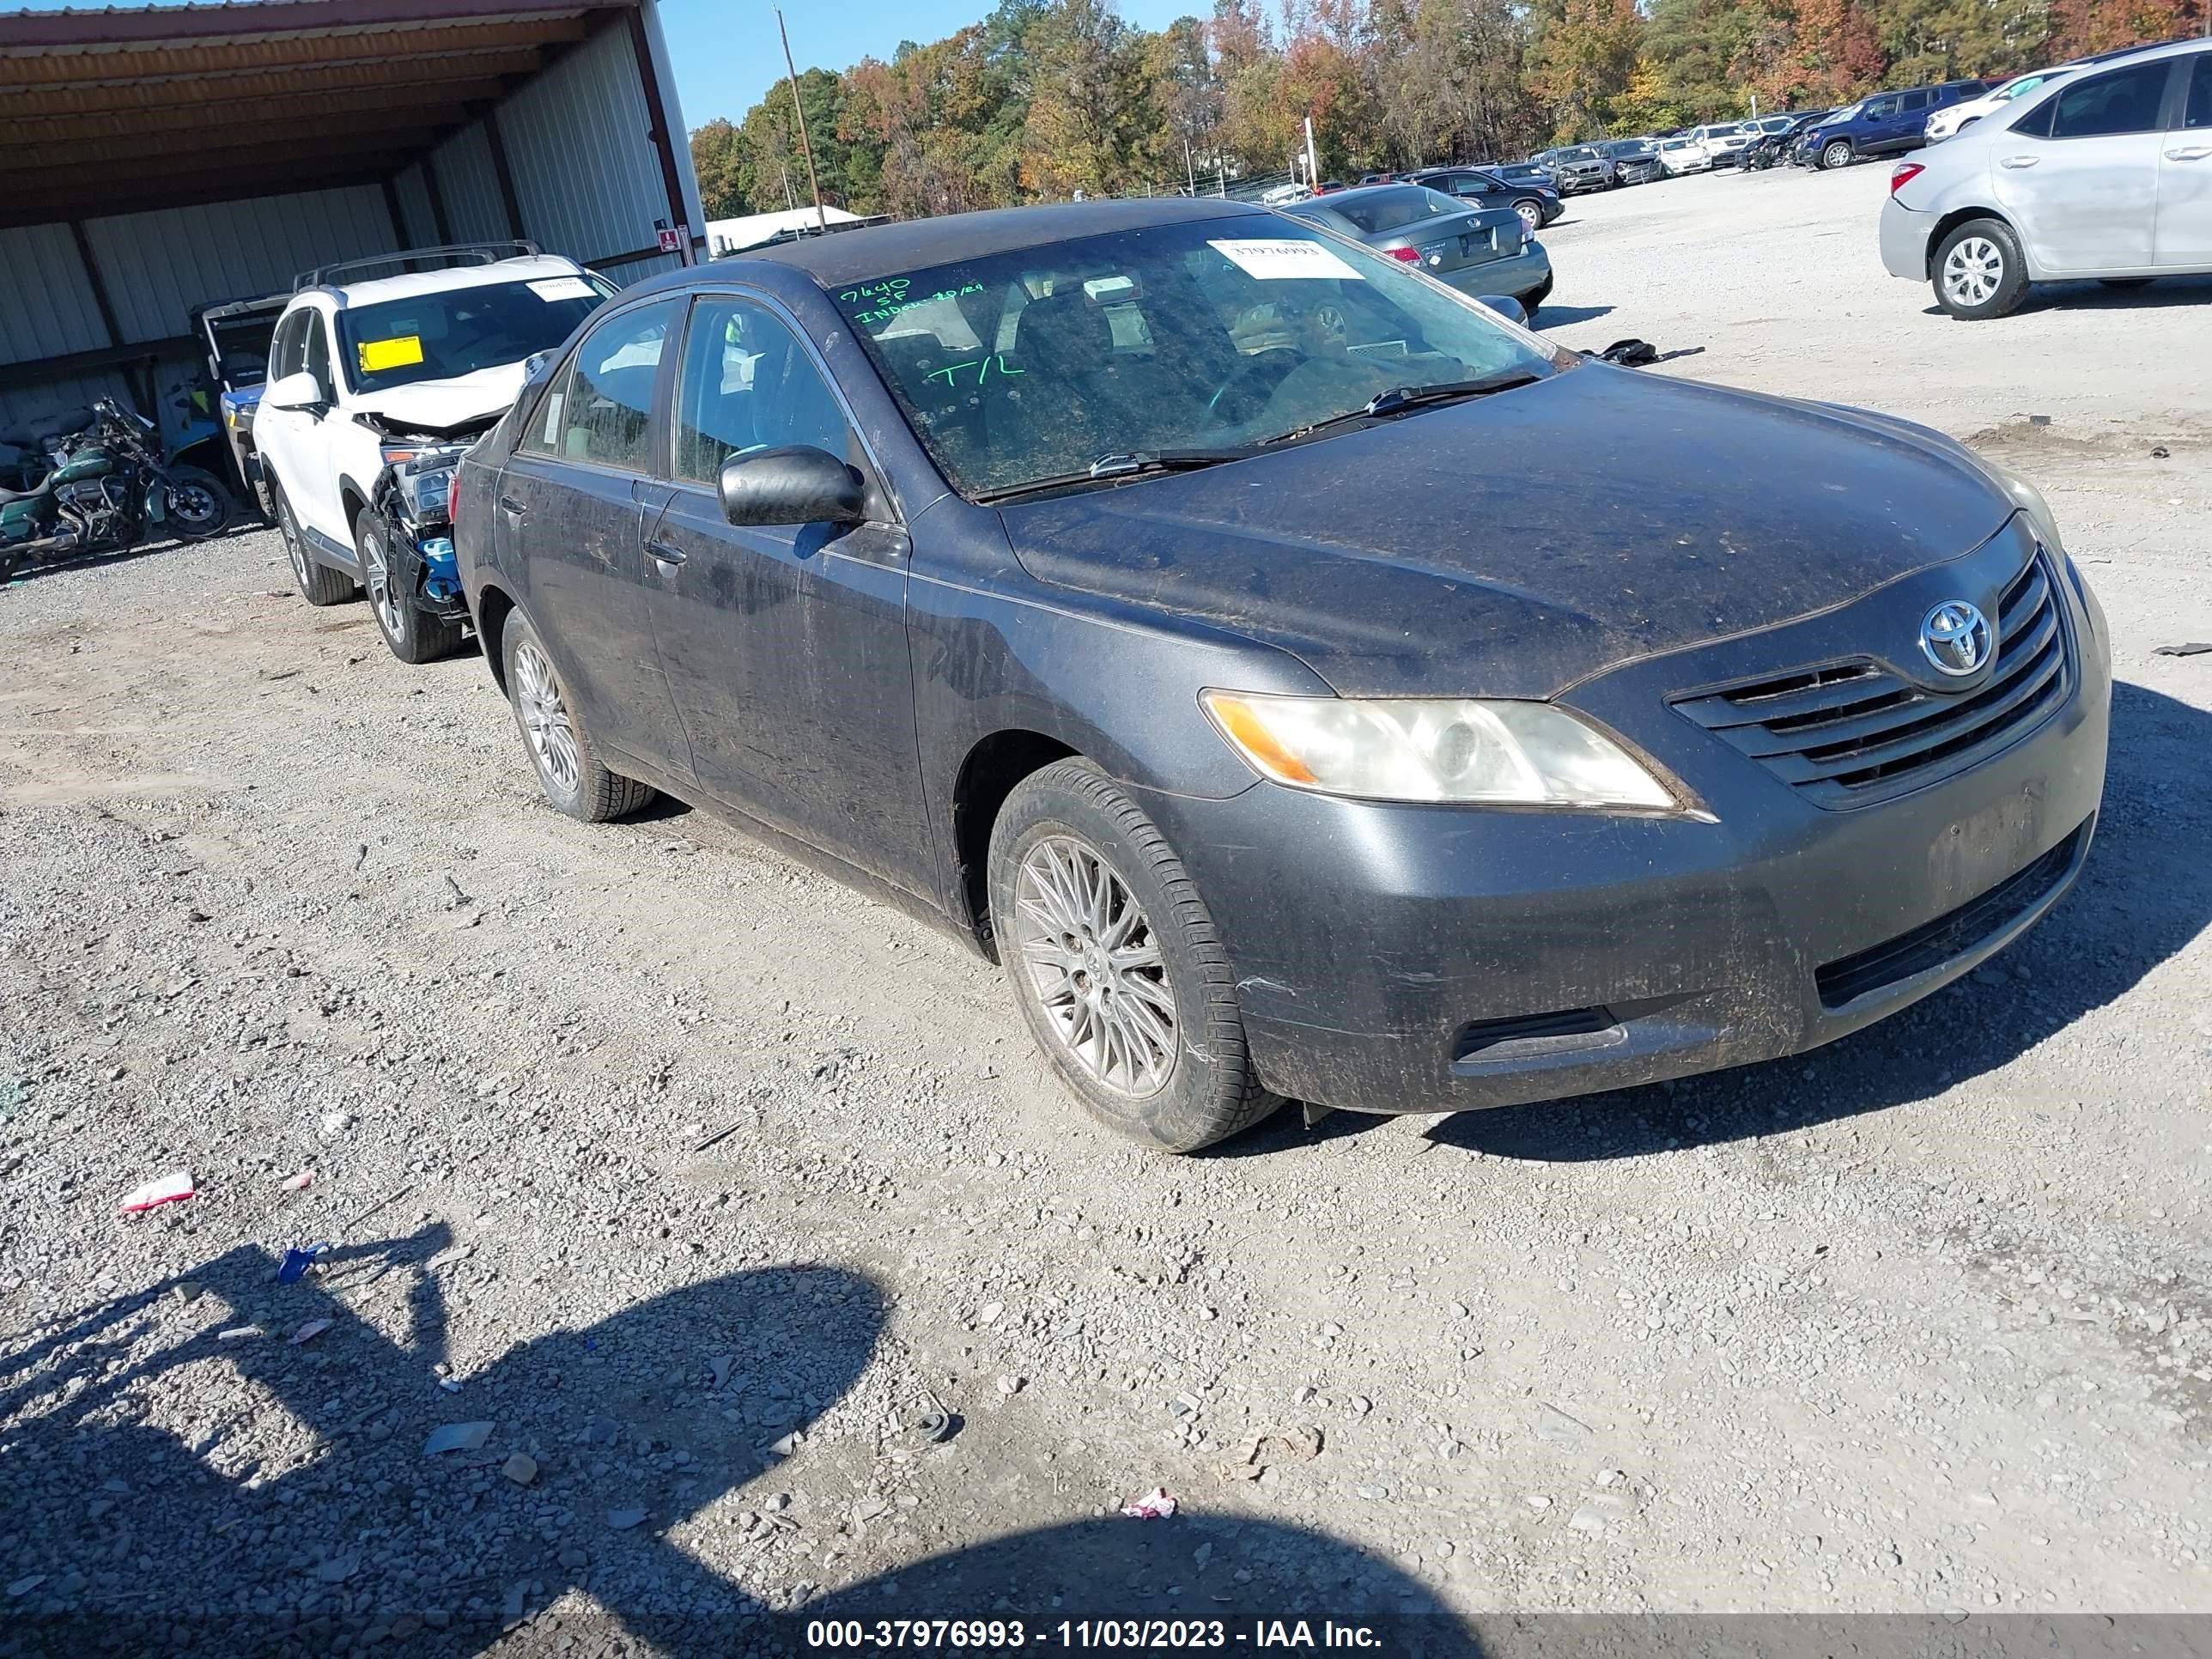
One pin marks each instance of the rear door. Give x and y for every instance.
(568, 516)
(2184, 237)
(2079, 175)
(786, 645)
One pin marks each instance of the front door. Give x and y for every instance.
(2079, 176)
(294, 443)
(571, 501)
(786, 645)
(2183, 240)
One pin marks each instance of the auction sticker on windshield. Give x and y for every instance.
(1279, 261)
(563, 287)
(378, 355)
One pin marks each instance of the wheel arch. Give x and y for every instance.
(993, 769)
(495, 604)
(1950, 222)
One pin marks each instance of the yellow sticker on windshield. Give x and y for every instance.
(391, 354)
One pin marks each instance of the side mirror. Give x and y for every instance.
(1505, 305)
(298, 391)
(792, 484)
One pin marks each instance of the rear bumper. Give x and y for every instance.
(1905, 241)
(1403, 958)
(1518, 276)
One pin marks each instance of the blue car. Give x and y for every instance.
(1887, 123)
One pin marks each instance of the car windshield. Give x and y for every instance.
(1847, 112)
(241, 345)
(2026, 83)
(450, 332)
(1202, 338)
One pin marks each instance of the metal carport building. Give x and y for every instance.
(161, 159)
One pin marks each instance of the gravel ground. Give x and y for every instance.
(1916, 1323)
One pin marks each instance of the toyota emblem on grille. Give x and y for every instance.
(1957, 638)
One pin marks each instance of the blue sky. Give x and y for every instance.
(727, 55)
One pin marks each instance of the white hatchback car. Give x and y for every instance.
(2105, 175)
(376, 386)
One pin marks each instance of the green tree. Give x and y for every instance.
(718, 158)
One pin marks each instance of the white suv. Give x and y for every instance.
(375, 388)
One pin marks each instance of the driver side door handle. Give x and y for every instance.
(2188, 153)
(2019, 161)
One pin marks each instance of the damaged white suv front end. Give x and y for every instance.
(377, 387)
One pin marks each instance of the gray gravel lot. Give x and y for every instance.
(1918, 1322)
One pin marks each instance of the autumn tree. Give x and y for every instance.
(1581, 60)
(1088, 114)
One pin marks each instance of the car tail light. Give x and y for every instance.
(453, 498)
(1411, 256)
(1903, 175)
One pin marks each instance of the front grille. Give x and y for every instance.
(1951, 935)
(1851, 733)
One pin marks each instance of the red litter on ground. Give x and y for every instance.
(300, 1182)
(169, 1190)
(1155, 1505)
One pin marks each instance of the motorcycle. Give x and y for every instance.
(106, 487)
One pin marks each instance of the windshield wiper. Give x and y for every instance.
(1398, 399)
(1113, 468)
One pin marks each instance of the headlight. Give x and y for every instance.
(1445, 749)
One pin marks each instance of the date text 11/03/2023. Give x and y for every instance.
(997, 1634)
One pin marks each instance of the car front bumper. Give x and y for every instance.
(1394, 958)
(1905, 240)
(1517, 274)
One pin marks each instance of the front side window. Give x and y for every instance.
(286, 351)
(599, 408)
(748, 383)
(443, 335)
(2125, 100)
(2199, 110)
(1213, 335)
(318, 360)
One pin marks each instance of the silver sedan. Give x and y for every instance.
(1478, 250)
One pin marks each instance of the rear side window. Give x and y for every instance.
(2199, 112)
(748, 382)
(2125, 100)
(1915, 100)
(600, 409)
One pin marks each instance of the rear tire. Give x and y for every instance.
(198, 506)
(1980, 272)
(1116, 965)
(569, 768)
(414, 637)
(1836, 154)
(319, 583)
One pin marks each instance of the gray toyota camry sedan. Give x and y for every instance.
(1191, 608)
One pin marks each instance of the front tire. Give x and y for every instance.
(1979, 271)
(320, 585)
(1116, 965)
(1531, 211)
(569, 768)
(1836, 154)
(414, 637)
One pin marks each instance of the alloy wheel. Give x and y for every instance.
(1973, 271)
(1095, 965)
(1836, 154)
(1531, 214)
(376, 575)
(194, 503)
(546, 718)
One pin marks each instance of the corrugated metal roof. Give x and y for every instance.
(174, 104)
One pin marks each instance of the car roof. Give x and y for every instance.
(916, 245)
(531, 268)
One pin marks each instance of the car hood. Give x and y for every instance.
(1516, 544)
(437, 406)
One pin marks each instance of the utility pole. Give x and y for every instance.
(1189, 172)
(805, 149)
(1313, 166)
